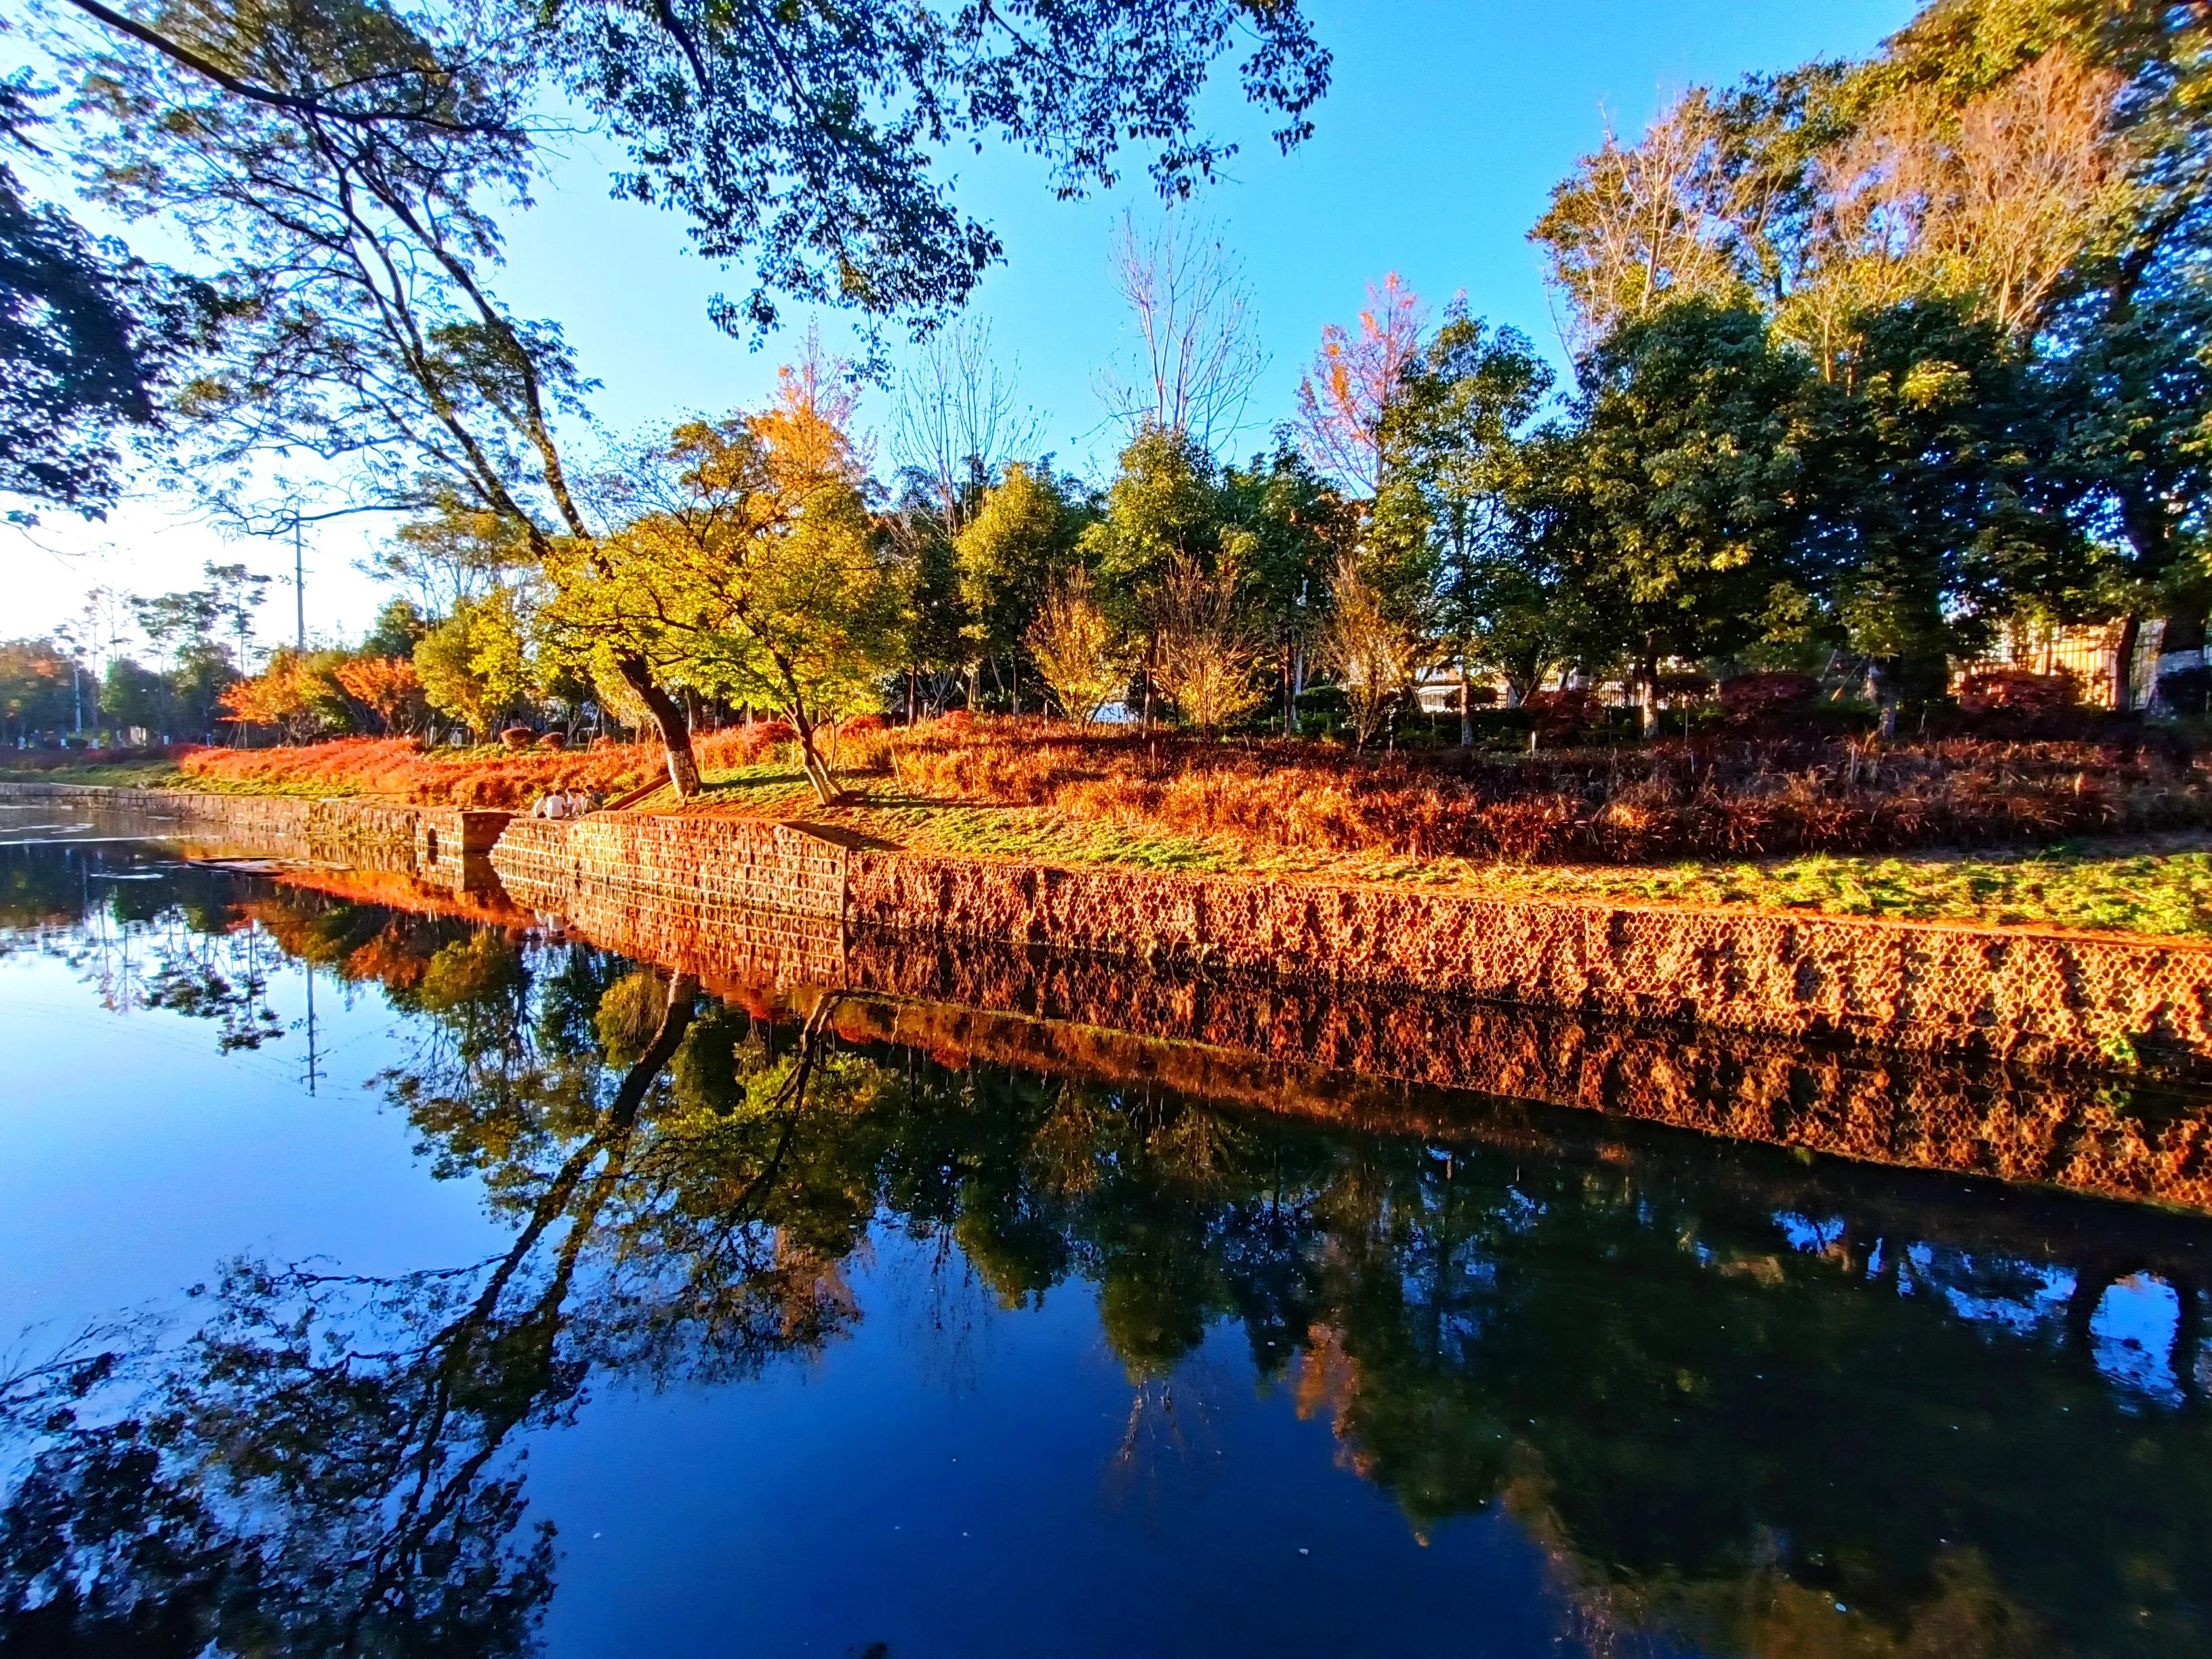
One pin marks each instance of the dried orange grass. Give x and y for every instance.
(1739, 797)
(394, 769)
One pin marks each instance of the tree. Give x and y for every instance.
(1287, 527)
(1165, 506)
(454, 552)
(1374, 654)
(1347, 399)
(956, 421)
(474, 665)
(1930, 525)
(132, 695)
(1022, 536)
(1468, 473)
(1692, 474)
(1207, 650)
(293, 694)
(1640, 226)
(1078, 651)
(751, 570)
(35, 680)
(2040, 165)
(340, 179)
(76, 359)
(1195, 360)
(398, 624)
(1993, 200)
(388, 687)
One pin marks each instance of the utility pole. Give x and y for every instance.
(299, 584)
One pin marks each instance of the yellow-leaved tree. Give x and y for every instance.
(749, 568)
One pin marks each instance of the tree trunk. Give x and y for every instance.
(2123, 663)
(1647, 688)
(668, 716)
(1466, 708)
(1882, 681)
(810, 758)
(2181, 647)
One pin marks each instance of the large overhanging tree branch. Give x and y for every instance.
(338, 168)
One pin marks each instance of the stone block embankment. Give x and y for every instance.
(444, 846)
(2037, 997)
(740, 904)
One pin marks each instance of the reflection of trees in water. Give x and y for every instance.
(329, 1463)
(172, 944)
(1720, 1413)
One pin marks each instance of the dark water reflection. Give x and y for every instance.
(757, 1272)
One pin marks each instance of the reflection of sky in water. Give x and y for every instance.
(1521, 1405)
(2135, 1327)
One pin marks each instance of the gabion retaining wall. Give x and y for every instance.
(2041, 997)
(686, 887)
(740, 904)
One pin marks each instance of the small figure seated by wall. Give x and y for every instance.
(564, 804)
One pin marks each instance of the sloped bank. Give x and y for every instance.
(2033, 996)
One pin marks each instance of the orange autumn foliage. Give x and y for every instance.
(395, 769)
(1740, 797)
(386, 686)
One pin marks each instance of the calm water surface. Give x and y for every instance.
(381, 1282)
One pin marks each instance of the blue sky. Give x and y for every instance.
(1447, 123)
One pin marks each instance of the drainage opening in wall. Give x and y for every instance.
(430, 845)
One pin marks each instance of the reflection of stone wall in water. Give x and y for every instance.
(741, 906)
(444, 846)
(1304, 1050)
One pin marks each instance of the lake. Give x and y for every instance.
(382, 1278)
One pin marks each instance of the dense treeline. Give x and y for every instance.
(1874, 364)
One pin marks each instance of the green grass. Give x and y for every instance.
(1061, 841)
(2156, 887)
(114, 774)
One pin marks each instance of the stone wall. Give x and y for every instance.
(2029, 996)
(360, 835)
(681, 888)
(742, 905)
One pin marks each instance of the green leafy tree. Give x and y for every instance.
(1164, 510)
(1290, 526)
(399, 623)
(752, 571)
(475, 666)
(78, 324)
(1463, 439)
(1021, 536)
(1931, 525)
(1692, 474)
